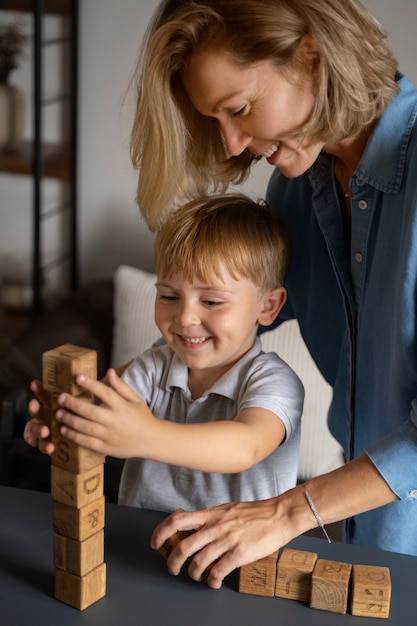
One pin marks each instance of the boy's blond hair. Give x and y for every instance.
(226, 232)
(180, 154)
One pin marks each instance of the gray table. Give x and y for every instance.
(139, 588)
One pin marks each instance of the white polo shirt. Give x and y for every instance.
(257, 380)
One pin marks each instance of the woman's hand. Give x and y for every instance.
(229, 535)
(121, 426)
(241, 533)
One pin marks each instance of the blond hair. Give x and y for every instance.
(180, 154)
(224, 232)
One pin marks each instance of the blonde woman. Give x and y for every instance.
(313, 88)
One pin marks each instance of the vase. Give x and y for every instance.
(12, 112)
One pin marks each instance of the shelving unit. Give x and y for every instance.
(39, 159)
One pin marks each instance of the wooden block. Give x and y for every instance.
(78, 523)
(294, 569)
(371, 591)
(258, 578)
(77, 489)
(69, 456)
(52, 400)
(80, 591)
(79, 557)
(330, 586)
(166, 549)
(61, 365)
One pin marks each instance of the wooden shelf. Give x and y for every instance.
(56, 159)
(17, 159)
(57, 7)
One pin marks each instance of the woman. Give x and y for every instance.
(313, 88)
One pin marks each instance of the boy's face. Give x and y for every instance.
(210, 326)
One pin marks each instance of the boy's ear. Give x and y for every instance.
(273, 302)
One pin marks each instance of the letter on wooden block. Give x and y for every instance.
(371, 591)
(79, 557)
(78, 523)
(71, 457)
(330, 586)
(258, 578)
(294, 569)
(61, 365)
(77, 489)
(80, 591)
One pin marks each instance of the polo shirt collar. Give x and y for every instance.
(228, 385)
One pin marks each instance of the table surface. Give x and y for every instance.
(139, 588)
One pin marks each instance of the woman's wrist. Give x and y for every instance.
(316, 514)
(294, 507)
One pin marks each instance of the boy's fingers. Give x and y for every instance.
(122, 388)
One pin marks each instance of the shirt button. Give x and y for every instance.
(363, 205)
(358, 257)
(413, 493)
(360, 182)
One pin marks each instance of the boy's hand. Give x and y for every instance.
(119, 426)
(37, 431)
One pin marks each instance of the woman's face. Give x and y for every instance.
(255, 106)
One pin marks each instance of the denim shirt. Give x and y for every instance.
(356, 306)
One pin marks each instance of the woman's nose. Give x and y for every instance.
(235, 139)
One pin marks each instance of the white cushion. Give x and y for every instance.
(135, 330)
(320, 452)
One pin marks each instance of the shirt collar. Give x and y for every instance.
(383, 161)
(227, 385)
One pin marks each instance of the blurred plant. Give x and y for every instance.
(12, 43)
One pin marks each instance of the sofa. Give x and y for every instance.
(115, 318)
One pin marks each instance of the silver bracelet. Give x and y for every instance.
(316, 514)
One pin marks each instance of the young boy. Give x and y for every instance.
(207, 418)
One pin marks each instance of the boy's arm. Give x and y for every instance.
(123, 426)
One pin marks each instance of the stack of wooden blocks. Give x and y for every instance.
(77, 477)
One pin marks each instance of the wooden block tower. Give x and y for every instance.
(76, 488)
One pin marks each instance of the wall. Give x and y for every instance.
(111, 231)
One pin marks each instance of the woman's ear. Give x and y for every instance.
(308, 52)
(273, 301)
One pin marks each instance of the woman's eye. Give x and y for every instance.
(241, 111)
